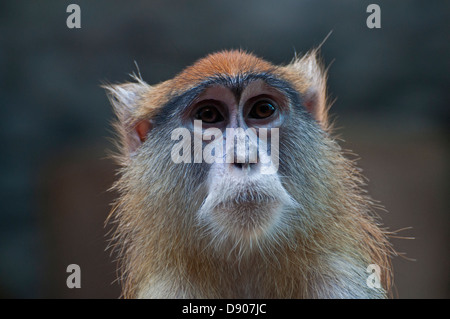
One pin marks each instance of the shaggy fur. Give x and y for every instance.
(178, 236)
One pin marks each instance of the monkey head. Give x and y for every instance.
(233, 158)
(236, 109)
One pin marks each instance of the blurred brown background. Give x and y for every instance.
(392, 109)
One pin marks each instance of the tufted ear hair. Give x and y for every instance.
(314, 79)
(126, 100)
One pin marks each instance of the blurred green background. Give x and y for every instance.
(392, 109)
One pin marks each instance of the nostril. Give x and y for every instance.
(238, 165)
(244, 166)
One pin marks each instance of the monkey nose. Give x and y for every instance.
(245, 167)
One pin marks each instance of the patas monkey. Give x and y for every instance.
(226, 229)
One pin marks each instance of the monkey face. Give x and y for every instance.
(234, 154)
(245, 199)
(219, 144)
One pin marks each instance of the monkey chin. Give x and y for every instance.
(241, 213)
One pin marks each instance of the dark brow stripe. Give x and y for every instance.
(235, 83)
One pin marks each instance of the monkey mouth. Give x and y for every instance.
(248, 197)
(244, 209)
(243, 215)
(249, 219)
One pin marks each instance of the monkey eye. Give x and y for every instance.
(209, 114)
(262, 109)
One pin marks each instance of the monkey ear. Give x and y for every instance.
(313, 85)
(126, 99)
